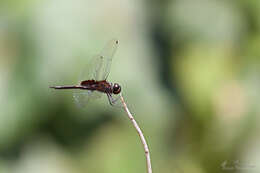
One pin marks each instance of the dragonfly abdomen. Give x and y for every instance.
(67, 87)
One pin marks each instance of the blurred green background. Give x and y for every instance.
(189, 70)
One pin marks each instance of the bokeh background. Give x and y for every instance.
(189, 70)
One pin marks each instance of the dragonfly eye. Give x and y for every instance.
(116, 88)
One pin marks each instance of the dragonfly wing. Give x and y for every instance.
(82, 97)
(105, 60)
(90, 70)
(99, 66)
(96, 95)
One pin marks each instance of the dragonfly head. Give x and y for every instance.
(116, 88)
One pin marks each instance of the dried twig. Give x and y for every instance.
(140, 133)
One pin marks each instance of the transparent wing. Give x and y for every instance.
(105, 60)
(82, 97)
(90, 70)
(99, 66)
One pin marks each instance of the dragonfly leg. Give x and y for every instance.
(110, 99)
(114, 100)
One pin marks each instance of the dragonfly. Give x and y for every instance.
(93, 79)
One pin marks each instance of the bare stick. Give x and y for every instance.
(140, 133)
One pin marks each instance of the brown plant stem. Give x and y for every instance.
(140, 133)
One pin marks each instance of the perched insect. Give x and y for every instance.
(93, 79)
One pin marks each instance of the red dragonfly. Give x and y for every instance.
(96, 72)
